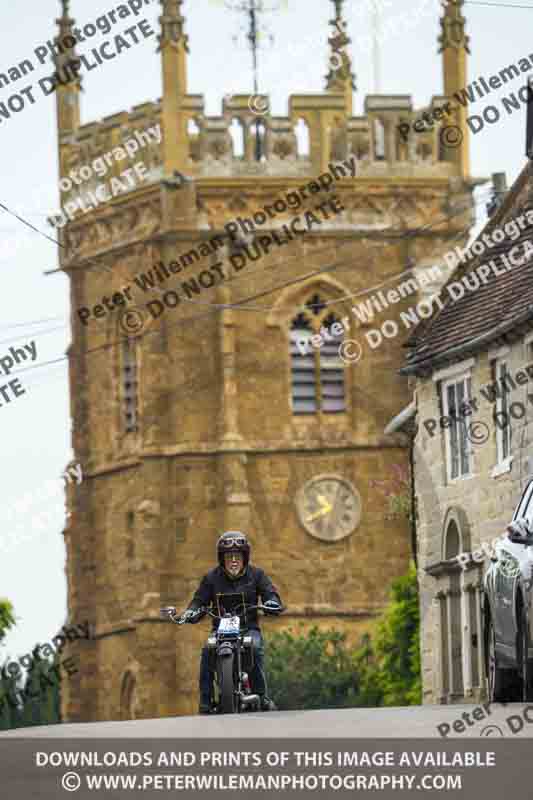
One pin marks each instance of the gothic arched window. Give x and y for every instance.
(129, 385)
(317, 373)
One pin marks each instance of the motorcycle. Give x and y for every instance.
(231, 659)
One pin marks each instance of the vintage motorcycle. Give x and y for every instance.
(231, 659)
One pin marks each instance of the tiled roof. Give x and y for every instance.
(505, 300)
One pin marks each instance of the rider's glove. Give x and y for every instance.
(191, 615)
(273, 605)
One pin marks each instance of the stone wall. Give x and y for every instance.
(482, 504)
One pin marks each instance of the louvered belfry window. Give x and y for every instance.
(129, 385)
(318, 374)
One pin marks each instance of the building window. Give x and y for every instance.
(456, 393)
(129, 385)
(317, 372)
(529, 357)
(503, 427)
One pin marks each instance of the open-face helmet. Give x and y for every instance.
(233, 542)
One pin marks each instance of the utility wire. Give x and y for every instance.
(215, 308)
(30, 322)
(239, 306)
(33, 333)
(406, 235)
(25, 222)
(305, 277)
(414, 232)
(46, 236)
(496, 5)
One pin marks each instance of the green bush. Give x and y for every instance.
(391, 667)
(315, 669)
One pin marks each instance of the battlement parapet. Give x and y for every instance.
(242, 143)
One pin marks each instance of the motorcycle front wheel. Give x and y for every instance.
(227, 703)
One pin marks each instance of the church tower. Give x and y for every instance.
(199, 400)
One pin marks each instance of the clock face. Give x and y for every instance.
(329, 507)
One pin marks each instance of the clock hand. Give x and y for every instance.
(333, 519)
(326, 508)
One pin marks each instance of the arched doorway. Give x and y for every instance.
(128, 696)
(459, 654)
(453, 630)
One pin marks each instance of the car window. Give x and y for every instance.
(523, 504)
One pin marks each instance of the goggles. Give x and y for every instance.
(233, 541)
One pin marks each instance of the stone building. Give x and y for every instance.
(472, 362)
(193, 408)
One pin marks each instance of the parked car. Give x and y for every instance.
(508, 608)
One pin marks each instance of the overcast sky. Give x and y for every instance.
(35, 427)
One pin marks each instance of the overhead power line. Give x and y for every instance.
(239, 305)
(496, 5)
(218, 306)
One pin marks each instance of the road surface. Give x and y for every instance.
(413, 721)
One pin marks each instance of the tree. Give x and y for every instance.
(7, 621)
(35, 699)
(7, 618)
(41, 693)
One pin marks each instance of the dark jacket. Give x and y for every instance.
(252, 583)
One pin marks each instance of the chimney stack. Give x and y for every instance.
(499, 190)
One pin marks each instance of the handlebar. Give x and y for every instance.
(170, 611)
(259, 607)
(233, 613)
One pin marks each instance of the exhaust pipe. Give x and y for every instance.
(249, 698)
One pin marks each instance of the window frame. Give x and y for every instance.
(316, 321)
(503, 437)
(129, 361)
(464, 379)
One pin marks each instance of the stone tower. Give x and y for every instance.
(195, 406)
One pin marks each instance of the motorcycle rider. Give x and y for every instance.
(234, 574)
